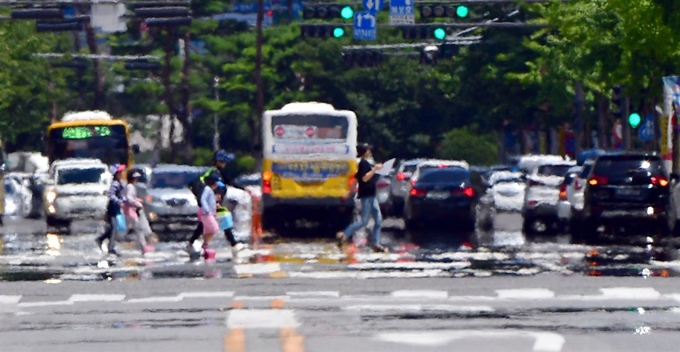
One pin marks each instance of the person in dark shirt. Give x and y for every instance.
(366, 178)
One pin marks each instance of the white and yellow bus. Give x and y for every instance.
(90, 135)
(309, 163)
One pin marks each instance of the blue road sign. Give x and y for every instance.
(402, 12)
(365, 26)
(373, 5)
(646, 131)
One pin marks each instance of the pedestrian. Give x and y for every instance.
(209, 215)
(220, 160)
(113, 208)
(366, 178)
(133, 210)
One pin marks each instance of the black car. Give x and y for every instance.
(626, 191)
(446, 196)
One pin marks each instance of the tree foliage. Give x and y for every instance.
(468, 144)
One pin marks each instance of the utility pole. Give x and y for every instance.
(579, 101)
(259, 104)
(169, 101)
(216, 135)
(627, 145)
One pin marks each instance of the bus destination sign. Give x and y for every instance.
(84, 132)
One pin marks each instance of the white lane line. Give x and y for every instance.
(419, 308)
(543, 341)
(630, 293)
(261, 319)
(314, 294)
(409, 265)
(367, 275)
(227, 294)
(96, 298)
(252, 269)
(260, 298)
(473, 298)
(10, 299)
(525, 293)
(155, 299)
(424, 294)
(45, 304)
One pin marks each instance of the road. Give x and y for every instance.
(466, 292)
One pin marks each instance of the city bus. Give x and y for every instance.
(309, 163)
(90, 134)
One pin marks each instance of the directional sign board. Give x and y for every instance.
(646, 131)
(365, 26)
(373, 5)
(402, 12)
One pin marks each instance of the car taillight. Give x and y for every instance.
(401, 176)
(467, 191)
(267, 182)
(563, 192)
(415, 192)
(598, 181)
(443, 166)
(382, 184)
(659, 181)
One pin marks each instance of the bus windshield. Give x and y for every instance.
(109, 143)
(322, 128)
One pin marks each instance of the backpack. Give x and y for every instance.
(197, 185)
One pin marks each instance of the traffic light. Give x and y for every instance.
(618, 101)
(328, 11)
(164, 15)
(363, 58)
(439, 11)
(322, 30)
(423, 32)
(634, 120)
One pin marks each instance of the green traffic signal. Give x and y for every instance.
(440, 33)
(347, 13)
(462, 11)
(338, 32)
(634, 120)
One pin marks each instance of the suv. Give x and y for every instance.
(76, 189)
(400, 186)
(626, 190)
(542, 194)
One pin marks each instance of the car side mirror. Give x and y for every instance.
(135, 149)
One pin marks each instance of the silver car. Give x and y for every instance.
(399, 186)
(168, 202)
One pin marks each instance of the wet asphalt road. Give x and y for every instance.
(487, 291)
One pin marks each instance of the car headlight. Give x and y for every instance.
(193, 202)
(51, 196)
(152, 199)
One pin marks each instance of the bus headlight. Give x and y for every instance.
(51, 196)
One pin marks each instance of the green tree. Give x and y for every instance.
(466, 143)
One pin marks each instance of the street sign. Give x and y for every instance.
(365, 26)
(646, 131)
(373, 5)
(402, 12)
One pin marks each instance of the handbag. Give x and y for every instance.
(121, 224)
(225, 220)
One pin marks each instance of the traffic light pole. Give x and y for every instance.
(626, 126)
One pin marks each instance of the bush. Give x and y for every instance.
(202, 156)
(245, 164)
(465, 144)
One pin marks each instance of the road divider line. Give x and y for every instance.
(543, 341)
(227, 294)
(630, 293)
(235, 341)
(260, 298)
(314, 294)
(96, 298)
(10, 299)
(291, 341)
(525, 293)
(419, 308)
(158, 299)
(45, 304)
(424, 294)
(262, 319)
(253, 269)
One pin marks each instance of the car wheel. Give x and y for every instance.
(528, 226)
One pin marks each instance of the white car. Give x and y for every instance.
(507, 191)
(576, 192)
(542, 194)
(563, 204)
(76, 189)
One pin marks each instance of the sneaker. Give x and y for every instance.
(380, 249)
(190, 249)
(147, 249)
(114, 252)
(234, 252)
(342, 239)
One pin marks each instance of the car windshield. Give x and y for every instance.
(509, 180)
(173, 179)
(619, 165)
(553, 170)
(445, 176)
(78, 176)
